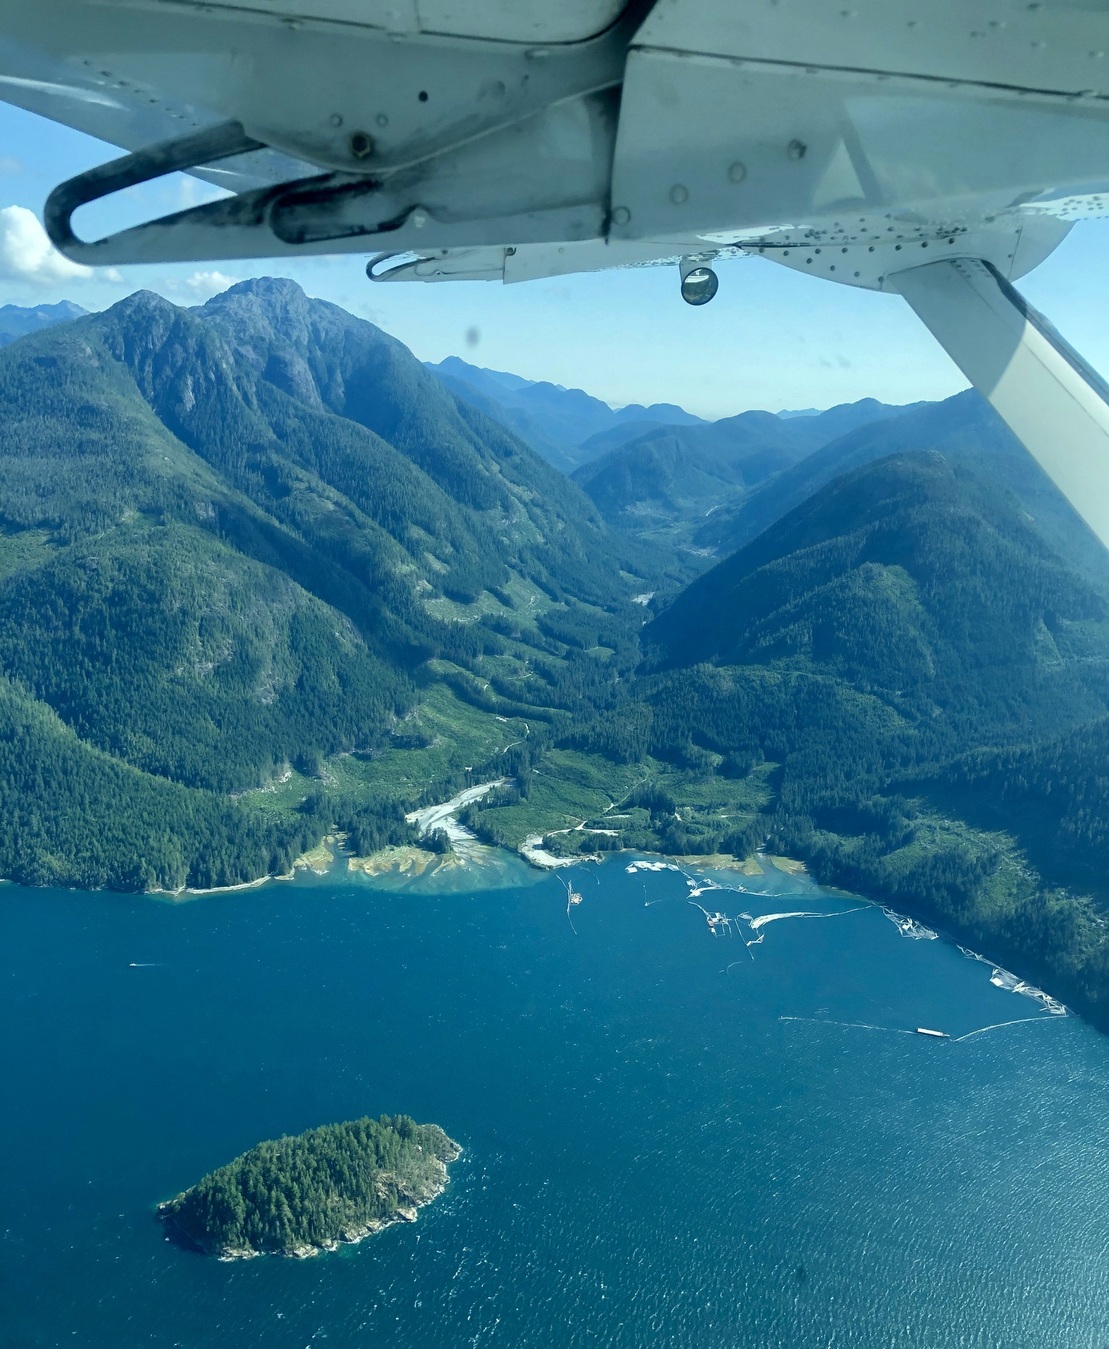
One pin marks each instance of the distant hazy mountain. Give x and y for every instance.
(557, 423)
(965, 429)
(17, 322)
(483, 380)
(675, 473)
(675, 476)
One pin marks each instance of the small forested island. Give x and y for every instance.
(299, 1196)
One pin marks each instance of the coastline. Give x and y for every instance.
(477, 862)
(409, 861)
(189, 891)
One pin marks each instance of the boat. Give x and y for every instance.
(936, 1034)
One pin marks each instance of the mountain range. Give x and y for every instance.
(264, 577)
(669, 479)
(711, 487)
(16, 321)
(913, 582)
(567, 427)
(236, 538)
(964, 428)
(917, 663)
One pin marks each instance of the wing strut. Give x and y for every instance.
(1049, 397)
(188, 152)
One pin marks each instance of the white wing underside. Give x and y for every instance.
(590, 133)
(864, 141)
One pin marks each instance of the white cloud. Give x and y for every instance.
(9, 164)
(26, 254)
(202, 285)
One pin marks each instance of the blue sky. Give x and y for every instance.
(771, 339)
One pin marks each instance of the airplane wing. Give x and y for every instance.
(876, 143)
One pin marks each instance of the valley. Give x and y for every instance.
(265, 579)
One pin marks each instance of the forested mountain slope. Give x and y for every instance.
(900, 642)
(911, 580)
(264, 577)
(1052, 794)
(232, 541)
(964, 428)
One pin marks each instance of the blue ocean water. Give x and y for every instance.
(653, 1155)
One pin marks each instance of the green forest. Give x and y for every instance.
(240, 544)
(265, 579)
(295, 1196)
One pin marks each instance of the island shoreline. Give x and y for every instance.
(282, 1197)
(404, 1215)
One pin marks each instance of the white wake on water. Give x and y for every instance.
(756, 923)
(1003, 979)
(702, 885)
(1012, 983)
(898, 1030)
(850, 1025)
(1020, 1021)
(699, 886)
(909, 927)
